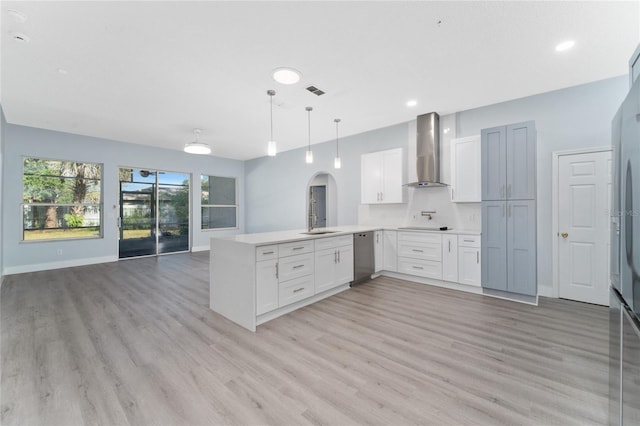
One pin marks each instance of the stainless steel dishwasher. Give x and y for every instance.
(363, 257)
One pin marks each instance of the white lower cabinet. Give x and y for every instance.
(390, 251)
(295, 289)
(420, 253)
(378, 250)
(450, 258)
(469, 261)
(266, 286)
(333, 262)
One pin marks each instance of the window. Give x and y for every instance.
(61, 199)
(219, 205)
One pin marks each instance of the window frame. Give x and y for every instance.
(100, 204)
(236, 205)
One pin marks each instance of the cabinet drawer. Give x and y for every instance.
(420, 237)
(469, 240)
(294, 290)
(295, 266)
(421, 268)
(290, 249)
(266, 252)
(423, 251)
(333, 242)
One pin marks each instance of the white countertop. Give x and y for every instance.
(277, 237)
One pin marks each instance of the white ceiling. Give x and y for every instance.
(149, 72)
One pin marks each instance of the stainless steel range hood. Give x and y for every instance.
(428, 151)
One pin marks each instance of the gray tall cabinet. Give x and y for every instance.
(509, 208)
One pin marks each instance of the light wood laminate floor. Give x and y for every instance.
(134, 342)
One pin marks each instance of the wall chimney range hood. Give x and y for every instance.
(428, 151)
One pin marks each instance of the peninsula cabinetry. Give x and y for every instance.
(381, 177)
(333, 262)
(509, 209)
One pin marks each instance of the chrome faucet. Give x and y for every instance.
(428, 214)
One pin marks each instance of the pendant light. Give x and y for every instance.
(336, 162)
(271, 145)
(309, 156)
(197, 147)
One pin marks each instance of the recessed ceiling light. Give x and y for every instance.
(412, 103)
(62, 71)
(286, 75)
(17, 15)
(565, 45)
(20, 37)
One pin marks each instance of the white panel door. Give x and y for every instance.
(584, 191)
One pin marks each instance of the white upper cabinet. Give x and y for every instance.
(466, 176)
(382, 177)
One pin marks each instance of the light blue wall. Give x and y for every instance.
(567, 119)
(20, 141)
(276, 186)
(3, 124)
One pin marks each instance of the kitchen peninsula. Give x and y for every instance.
(257, 277)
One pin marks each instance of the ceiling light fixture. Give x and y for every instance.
(565, 45)
(336, 162)
(286, 75)
(197, 147)
(309, 156)
(412, 103)
(271, 144)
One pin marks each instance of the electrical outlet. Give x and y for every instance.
(59, 252)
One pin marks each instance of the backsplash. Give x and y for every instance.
(461, 216)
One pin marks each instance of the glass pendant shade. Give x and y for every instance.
(337, 163)
(271, 149)
(309, 157)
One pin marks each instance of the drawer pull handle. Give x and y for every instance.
(418, 267)
(267, 252)
(477, 257)
(298, 289)
(418, 251)
(298, 266)
(298, 248)
(468, 241)
(277, 271)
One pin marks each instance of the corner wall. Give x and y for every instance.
(3, 124)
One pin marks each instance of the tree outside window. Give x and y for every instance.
(61, 199)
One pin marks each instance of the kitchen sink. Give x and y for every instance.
(318, 232)
(425, 228)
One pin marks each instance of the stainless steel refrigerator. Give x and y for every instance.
(624, 312)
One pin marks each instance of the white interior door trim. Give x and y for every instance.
(555, 164)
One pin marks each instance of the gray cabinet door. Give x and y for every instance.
(494, 245)
(494, 163)
(521, 247)
(521, 161)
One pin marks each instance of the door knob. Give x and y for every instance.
(564, 235)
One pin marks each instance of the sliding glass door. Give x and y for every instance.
(154, 212)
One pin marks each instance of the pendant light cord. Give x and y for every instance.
(337, 120)
(271, 96)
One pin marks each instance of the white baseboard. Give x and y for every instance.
(58, 265)
(200, 248)
(530, 300)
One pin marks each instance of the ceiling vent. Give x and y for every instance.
(315, 90)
